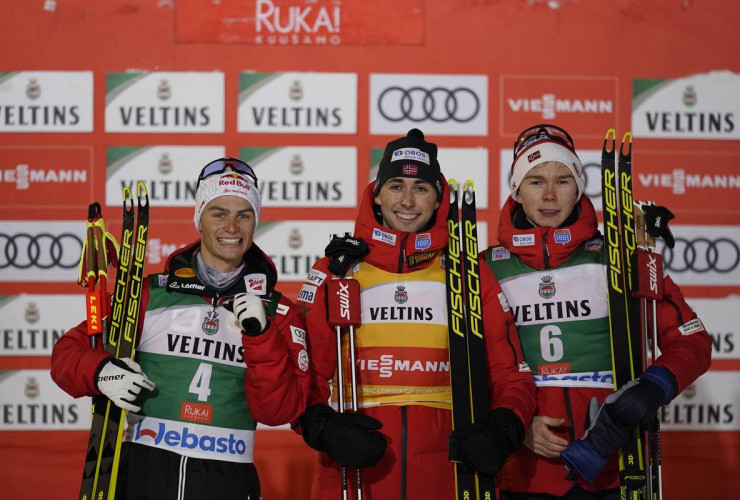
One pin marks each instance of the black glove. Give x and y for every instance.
(349, 438)
(635, 403)
(485, 446)
(656, 223)
(344, 252)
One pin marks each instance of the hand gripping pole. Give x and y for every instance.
(343, 310)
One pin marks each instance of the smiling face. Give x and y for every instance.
(226, 232)
(548, 194)
(407, 204)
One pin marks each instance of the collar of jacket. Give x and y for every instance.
(397, 251)
(546, 247)
(182, 277)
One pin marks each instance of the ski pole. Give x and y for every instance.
(343, 297)
(649, 265)
(99, 251)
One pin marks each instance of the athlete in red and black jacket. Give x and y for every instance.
(400, 438)
(224, 349)
(551, 263)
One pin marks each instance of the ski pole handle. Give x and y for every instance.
(343, 310)
(343, 297)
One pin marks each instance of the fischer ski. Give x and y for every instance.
(102, 459)
(624, 308)
(468, 367)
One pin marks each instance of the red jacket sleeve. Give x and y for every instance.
(685, 345)
(510, 381)
(322, 343)
(74, 364)
(277, 379)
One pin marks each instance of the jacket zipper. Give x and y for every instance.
(402, 254)
(545, 252)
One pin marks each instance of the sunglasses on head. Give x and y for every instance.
(542, 132)
(226, 165)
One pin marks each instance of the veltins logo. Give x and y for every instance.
(269, 102)
(190, 102)
(702, 106)
(46, 101)
(305, 176)
(166, 170)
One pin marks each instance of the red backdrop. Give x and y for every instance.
(526, 48)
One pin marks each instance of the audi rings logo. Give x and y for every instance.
(42, 251)
(438, 104)
(702, 255)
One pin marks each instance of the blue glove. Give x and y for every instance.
(635, 403)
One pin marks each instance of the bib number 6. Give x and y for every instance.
(551, 347)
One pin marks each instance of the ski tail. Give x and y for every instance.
(124, 320)
(477, 364)
(465, 486)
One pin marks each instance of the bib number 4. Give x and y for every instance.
(201, 383)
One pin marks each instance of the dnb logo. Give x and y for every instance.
(184, 439)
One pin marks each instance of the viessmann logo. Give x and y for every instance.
(387, 365)
(582, 105)
(679, 181)
(23, 176)
(549, 106)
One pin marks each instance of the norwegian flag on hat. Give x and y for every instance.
(409, 169)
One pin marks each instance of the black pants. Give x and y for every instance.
(574, 494)
(148, 473)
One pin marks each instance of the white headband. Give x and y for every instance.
(541, 152)
(226, 184)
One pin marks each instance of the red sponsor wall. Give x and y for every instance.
(577, 64)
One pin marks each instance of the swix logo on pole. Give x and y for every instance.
(343, 295)
(344, 302)
(649, 275)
